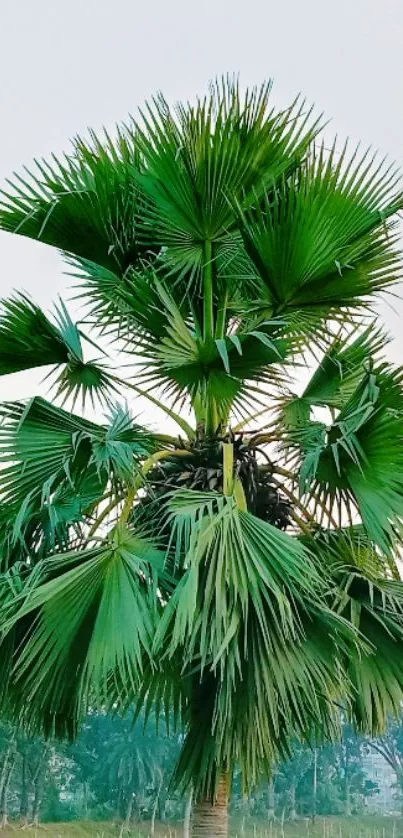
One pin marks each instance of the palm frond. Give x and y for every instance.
(246, 614)
(376, 607)
(28, 339)
(84, 203)
(57, 464)
(88, 621)
(324, 239)
(343, 367)
(168, 352)
(197, 159)
(368, 593)
(358, 459)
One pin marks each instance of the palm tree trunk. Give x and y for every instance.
(38, 794)
(85, 800)
(347, 801)
(119, 804)
(3, 773)
(3, 795)
(129, 811)
(210, 820)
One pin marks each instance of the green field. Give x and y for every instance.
(369, 827)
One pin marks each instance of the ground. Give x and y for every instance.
(370, 827)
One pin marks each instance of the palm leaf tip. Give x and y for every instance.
(27, 338)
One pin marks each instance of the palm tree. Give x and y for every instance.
(241, 572)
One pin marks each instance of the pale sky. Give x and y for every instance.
(68, 65)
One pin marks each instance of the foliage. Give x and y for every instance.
(239, 578)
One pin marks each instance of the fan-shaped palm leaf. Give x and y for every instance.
(58, 465)
(248, 585)
(372, 601)
(197, 159)
(323, 238)
(83, 204)
(358, 458)
(28, 339)
(107, 628)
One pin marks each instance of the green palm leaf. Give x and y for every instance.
(197, 159)
(323, 239)
(358, 458)
(248, 586)
(82, 204)
(376, 607)
(94, 609)
(170, 352)
(28, 339)
(343, 368)
(58, 465)
(370, 599)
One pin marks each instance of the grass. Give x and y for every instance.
(368, 827)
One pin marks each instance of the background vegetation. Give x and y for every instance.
(119, 772)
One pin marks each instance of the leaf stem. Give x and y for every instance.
(228, 468)
(305, 528)
(294, 500)
(211, 423)
(128, 505)
(222, 317)
(208, 309)
(146, 467)
(101, 517)
(132, 492)
(211, 417)
(186, 428)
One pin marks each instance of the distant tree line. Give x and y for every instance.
(120, 770)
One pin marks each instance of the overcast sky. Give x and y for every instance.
(68, 65)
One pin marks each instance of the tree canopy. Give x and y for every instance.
(241, 574)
